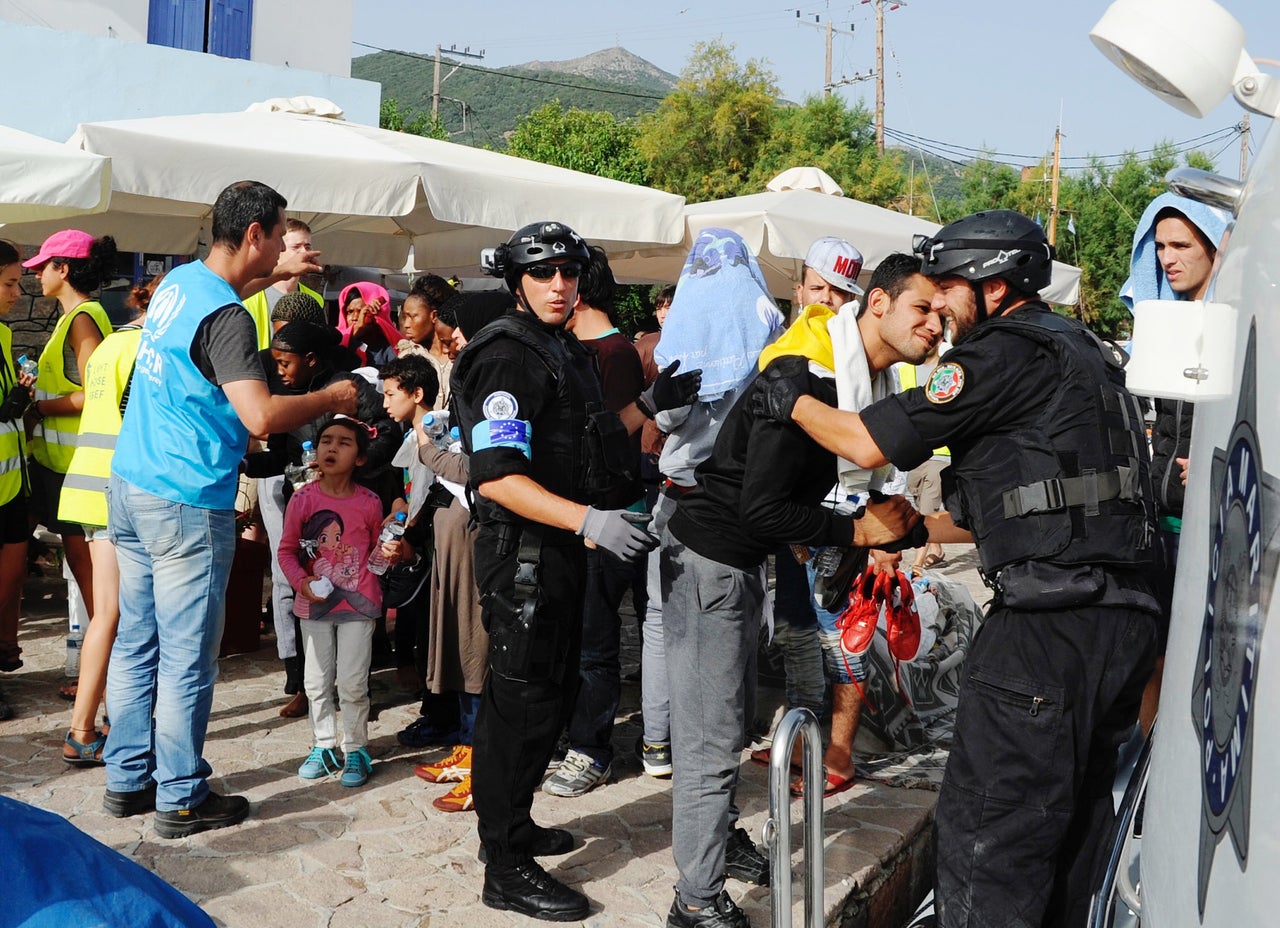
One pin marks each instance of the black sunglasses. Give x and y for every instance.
(569, 271)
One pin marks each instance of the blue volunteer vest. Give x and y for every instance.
(182, 440)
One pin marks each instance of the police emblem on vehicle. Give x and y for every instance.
(500, 405)
(1242, 567)
(945, 383)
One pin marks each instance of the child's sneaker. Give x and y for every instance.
(454, 768)
(457, 799)
(359, 765)
(319, 763)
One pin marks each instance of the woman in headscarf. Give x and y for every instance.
(364, 320)
(418, 321)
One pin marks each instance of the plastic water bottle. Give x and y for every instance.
(306, 472)
(75, 639)
(435, 425)
(27, 366)
(455, 440)
(378, 562)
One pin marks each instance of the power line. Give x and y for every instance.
(1185, 145)
(518, 77)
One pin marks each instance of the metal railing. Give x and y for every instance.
(777, 829)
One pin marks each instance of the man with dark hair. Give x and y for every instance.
(1050, 480)
(761, 488)
(589, 760)
(262, 305)
(198, 393)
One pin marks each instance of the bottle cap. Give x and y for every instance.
(306, 446)
(400, 517)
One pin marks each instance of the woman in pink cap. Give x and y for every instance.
(364, 319)
(70, 265)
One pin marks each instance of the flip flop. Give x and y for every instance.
(68, 692)
(834, 784)
(87, 755)
(763, 755)
(934, 560)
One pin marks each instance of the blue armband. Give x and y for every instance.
(502, 433)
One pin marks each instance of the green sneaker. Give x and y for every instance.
(319, 763)
(359, 765)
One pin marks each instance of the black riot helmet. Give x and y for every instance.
(535, 243)
(983, 246)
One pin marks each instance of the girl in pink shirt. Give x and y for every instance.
(330, 527)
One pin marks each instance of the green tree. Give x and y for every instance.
(594, 142)
(827, 133)
(704, 138)
(391, 117)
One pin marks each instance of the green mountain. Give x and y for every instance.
(480, 105)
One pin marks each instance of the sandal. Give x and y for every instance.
(834, 784)
(86, 755)
(68, 692)
(934, 560)
(764, 757)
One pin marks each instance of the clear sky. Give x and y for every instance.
(983, 74)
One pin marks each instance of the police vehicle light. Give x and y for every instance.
(1189, 53)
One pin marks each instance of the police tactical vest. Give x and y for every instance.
(585, 454)
(1072, 488)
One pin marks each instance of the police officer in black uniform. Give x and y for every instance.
(1050, 478)
(542, 447)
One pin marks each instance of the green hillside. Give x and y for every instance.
(495, 99)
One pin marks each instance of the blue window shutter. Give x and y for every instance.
(177, 24)
(231, 28)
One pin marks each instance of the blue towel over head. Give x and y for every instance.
(721, 316)
(1146, 277)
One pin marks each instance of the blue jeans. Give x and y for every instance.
(174, 564)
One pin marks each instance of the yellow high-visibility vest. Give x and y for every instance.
(84, 490)
(12, 443)
(54, 440)
(907, 378)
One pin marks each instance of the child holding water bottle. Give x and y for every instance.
(330, 528)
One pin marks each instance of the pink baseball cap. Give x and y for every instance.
(69, 243)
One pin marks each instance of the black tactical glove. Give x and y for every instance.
(15, 404)
(670, 390)
(779, 388)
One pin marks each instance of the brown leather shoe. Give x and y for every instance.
(296, 707)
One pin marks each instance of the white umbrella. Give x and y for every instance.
(367, 193)
(45, 180)
(780, 224)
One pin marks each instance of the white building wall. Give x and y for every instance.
(111, 19)
(311, 35)
(85, 78)
(315, 34)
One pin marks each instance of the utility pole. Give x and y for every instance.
(1244, 146)
(880, 66)
(827, 83)
(1053, 191)
(437, 80)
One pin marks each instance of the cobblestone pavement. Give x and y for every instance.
(318, 854)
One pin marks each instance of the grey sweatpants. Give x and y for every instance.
(710, 621)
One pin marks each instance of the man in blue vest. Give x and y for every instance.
(198, 393)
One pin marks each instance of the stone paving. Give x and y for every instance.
(318, 854)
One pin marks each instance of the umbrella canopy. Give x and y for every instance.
(780, 224)
(368, 194)
(45, 180)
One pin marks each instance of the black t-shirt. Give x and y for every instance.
(225, 348)
(621, 381)
(762, 487)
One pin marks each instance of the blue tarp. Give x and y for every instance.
(56, 876)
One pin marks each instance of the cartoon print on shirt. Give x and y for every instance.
(327, 555)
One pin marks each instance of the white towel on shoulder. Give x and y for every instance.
(856, 390)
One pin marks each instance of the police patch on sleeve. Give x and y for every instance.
(945, 383)
(500, 405)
